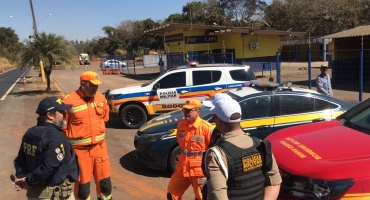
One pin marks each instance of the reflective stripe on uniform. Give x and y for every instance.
(197, 139)
(109, 197)
(191, 153)
(87, 140)
(78, 108)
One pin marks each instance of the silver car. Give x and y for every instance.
(112, 64)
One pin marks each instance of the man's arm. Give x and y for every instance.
(216, 180)
(329, 84)
(106, 110)
(20, 163)
(273, 181)
(271, 192)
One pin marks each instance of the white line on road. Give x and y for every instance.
(10, 89)
(62, 87)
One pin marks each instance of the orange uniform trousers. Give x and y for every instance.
(92, 160)
(179, 184)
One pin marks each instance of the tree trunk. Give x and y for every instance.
(47, 73)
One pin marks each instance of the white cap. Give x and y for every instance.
(224, 107)
(210, 102)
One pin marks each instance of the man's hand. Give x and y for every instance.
(20, 184)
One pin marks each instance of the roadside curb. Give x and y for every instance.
(6, 69)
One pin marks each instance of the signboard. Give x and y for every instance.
(312, 40)
(174, 38)
(167, 94)
(200, 39)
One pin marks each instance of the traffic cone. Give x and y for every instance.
(24, 80)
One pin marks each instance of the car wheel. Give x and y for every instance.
(174, 158)
(133, 116)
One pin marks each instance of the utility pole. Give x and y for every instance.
(34, 20)
(36, 38)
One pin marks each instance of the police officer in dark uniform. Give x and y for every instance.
(46, 163)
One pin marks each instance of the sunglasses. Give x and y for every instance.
(63, 112)
(189, 110)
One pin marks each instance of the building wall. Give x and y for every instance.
(241, 43)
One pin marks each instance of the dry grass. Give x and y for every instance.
(4, 63)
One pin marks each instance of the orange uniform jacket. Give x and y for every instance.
(193, 140)
(86, 120)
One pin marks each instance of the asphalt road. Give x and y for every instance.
(8, 79)
(131, 179)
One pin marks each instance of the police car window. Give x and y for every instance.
(205, 77)
(242, 75)
(324, 105)
(289, 104)
(257, 107)
(173, 80)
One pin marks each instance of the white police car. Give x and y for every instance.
(169, 91)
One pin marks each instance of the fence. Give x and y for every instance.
(349, 71)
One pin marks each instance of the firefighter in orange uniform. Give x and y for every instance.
(86, 132)
(193, 136)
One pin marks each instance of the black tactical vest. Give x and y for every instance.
(246, 170)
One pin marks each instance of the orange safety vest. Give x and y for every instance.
(86, 120)
(193, 140)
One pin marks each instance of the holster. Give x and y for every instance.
(65, 189)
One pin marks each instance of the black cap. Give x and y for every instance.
(50, 104)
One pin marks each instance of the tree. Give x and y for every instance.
(9, 45)
(318, 17)
(175, 18)
(50, 48)
(243, 9)
(207, 12)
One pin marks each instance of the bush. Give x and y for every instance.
(4, 62)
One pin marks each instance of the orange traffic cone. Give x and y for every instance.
(24, 80)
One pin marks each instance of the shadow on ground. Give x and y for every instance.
(115, 123)
(130, 163)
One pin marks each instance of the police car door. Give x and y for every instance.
(258, 115)
(206, 83)
(172, 91)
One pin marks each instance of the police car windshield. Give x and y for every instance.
(360, 122)
(204, 111)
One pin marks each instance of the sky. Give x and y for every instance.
(81, 19)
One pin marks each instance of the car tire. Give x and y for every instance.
(174, 158)
(133, 116)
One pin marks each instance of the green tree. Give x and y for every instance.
(50, 48)
(243, 9)
(206, 12)
(175, 18)
(9, 45)
(318, 17)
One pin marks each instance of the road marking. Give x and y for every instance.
(57, 83)
(10, 89)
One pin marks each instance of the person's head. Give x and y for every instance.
(191, 109)
(324, 69)
(226, 113)
(89, 83)
(53, 110)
